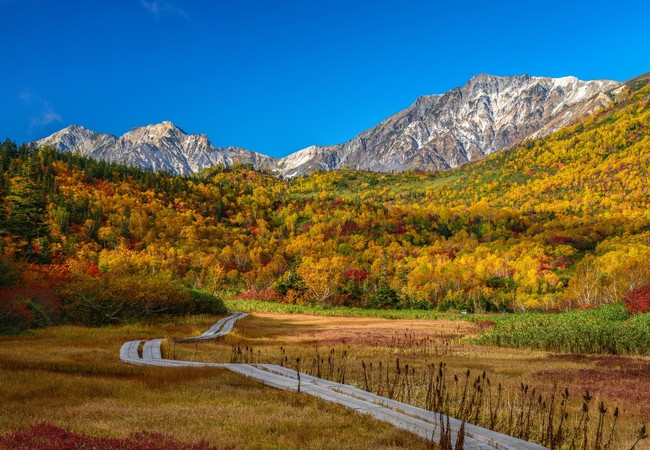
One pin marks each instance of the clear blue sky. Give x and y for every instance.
(278, 76)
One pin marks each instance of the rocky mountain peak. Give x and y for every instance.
(441, 131)
(156, 132)
(75, 129)
(481, 79)
(167, 126)
(488, 114)
(76, 138)
(162, 146)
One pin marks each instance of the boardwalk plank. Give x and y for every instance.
(151, 349)
(219, 329)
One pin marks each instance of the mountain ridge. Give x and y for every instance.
(437, 132)
(428, 134)
(162, 146)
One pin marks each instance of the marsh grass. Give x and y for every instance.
(72, 377)
(549, 418)
(430, 364)
(345, 311)
(609, 329)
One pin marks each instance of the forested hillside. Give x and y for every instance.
(559, 222)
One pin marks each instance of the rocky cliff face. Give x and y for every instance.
(437, 132)
(158, 147)
(440, 132)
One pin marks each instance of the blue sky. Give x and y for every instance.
(278, 76)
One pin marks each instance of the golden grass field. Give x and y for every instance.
(72, 377)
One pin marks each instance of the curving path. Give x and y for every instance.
(411, 418)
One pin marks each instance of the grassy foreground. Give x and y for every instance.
(72, 377)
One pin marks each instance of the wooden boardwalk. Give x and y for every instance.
(401, 415)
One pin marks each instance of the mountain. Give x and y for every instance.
(158, 147)
(437, 132)
(440, 132)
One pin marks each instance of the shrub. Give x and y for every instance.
(384, 297)
(107, 297)
(202, 302)
(15, 315)
(638, 300)
(9, 272)
(45, 436)
(28, 296)
(292, 281)
(263, 295)
(501, 283)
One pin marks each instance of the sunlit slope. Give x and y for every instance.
(577, 200)
(602, 158)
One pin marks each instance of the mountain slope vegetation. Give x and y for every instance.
(558, 222)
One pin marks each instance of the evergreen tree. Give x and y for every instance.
(24, 208)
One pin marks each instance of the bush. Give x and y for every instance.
(292, 281)
(15, 315)
(45, 436)
(10, 272)
(99, 298)
(501, 283)
(262, 295)
(205, 303)
(638, 300)
(104, 298)
(40, 318)
(384, 297)
(28, 296)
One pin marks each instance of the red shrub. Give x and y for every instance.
(355, 275)
(638, 301)
(92, 269)
(563, 240)
(45, 436)
(264, 295)
(348, 228)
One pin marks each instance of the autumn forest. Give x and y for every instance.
(557, 223)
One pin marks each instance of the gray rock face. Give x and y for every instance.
(440, 132)
(158, 147)
(437, 132)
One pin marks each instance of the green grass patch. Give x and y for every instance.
(316, 310)
(609, 329)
